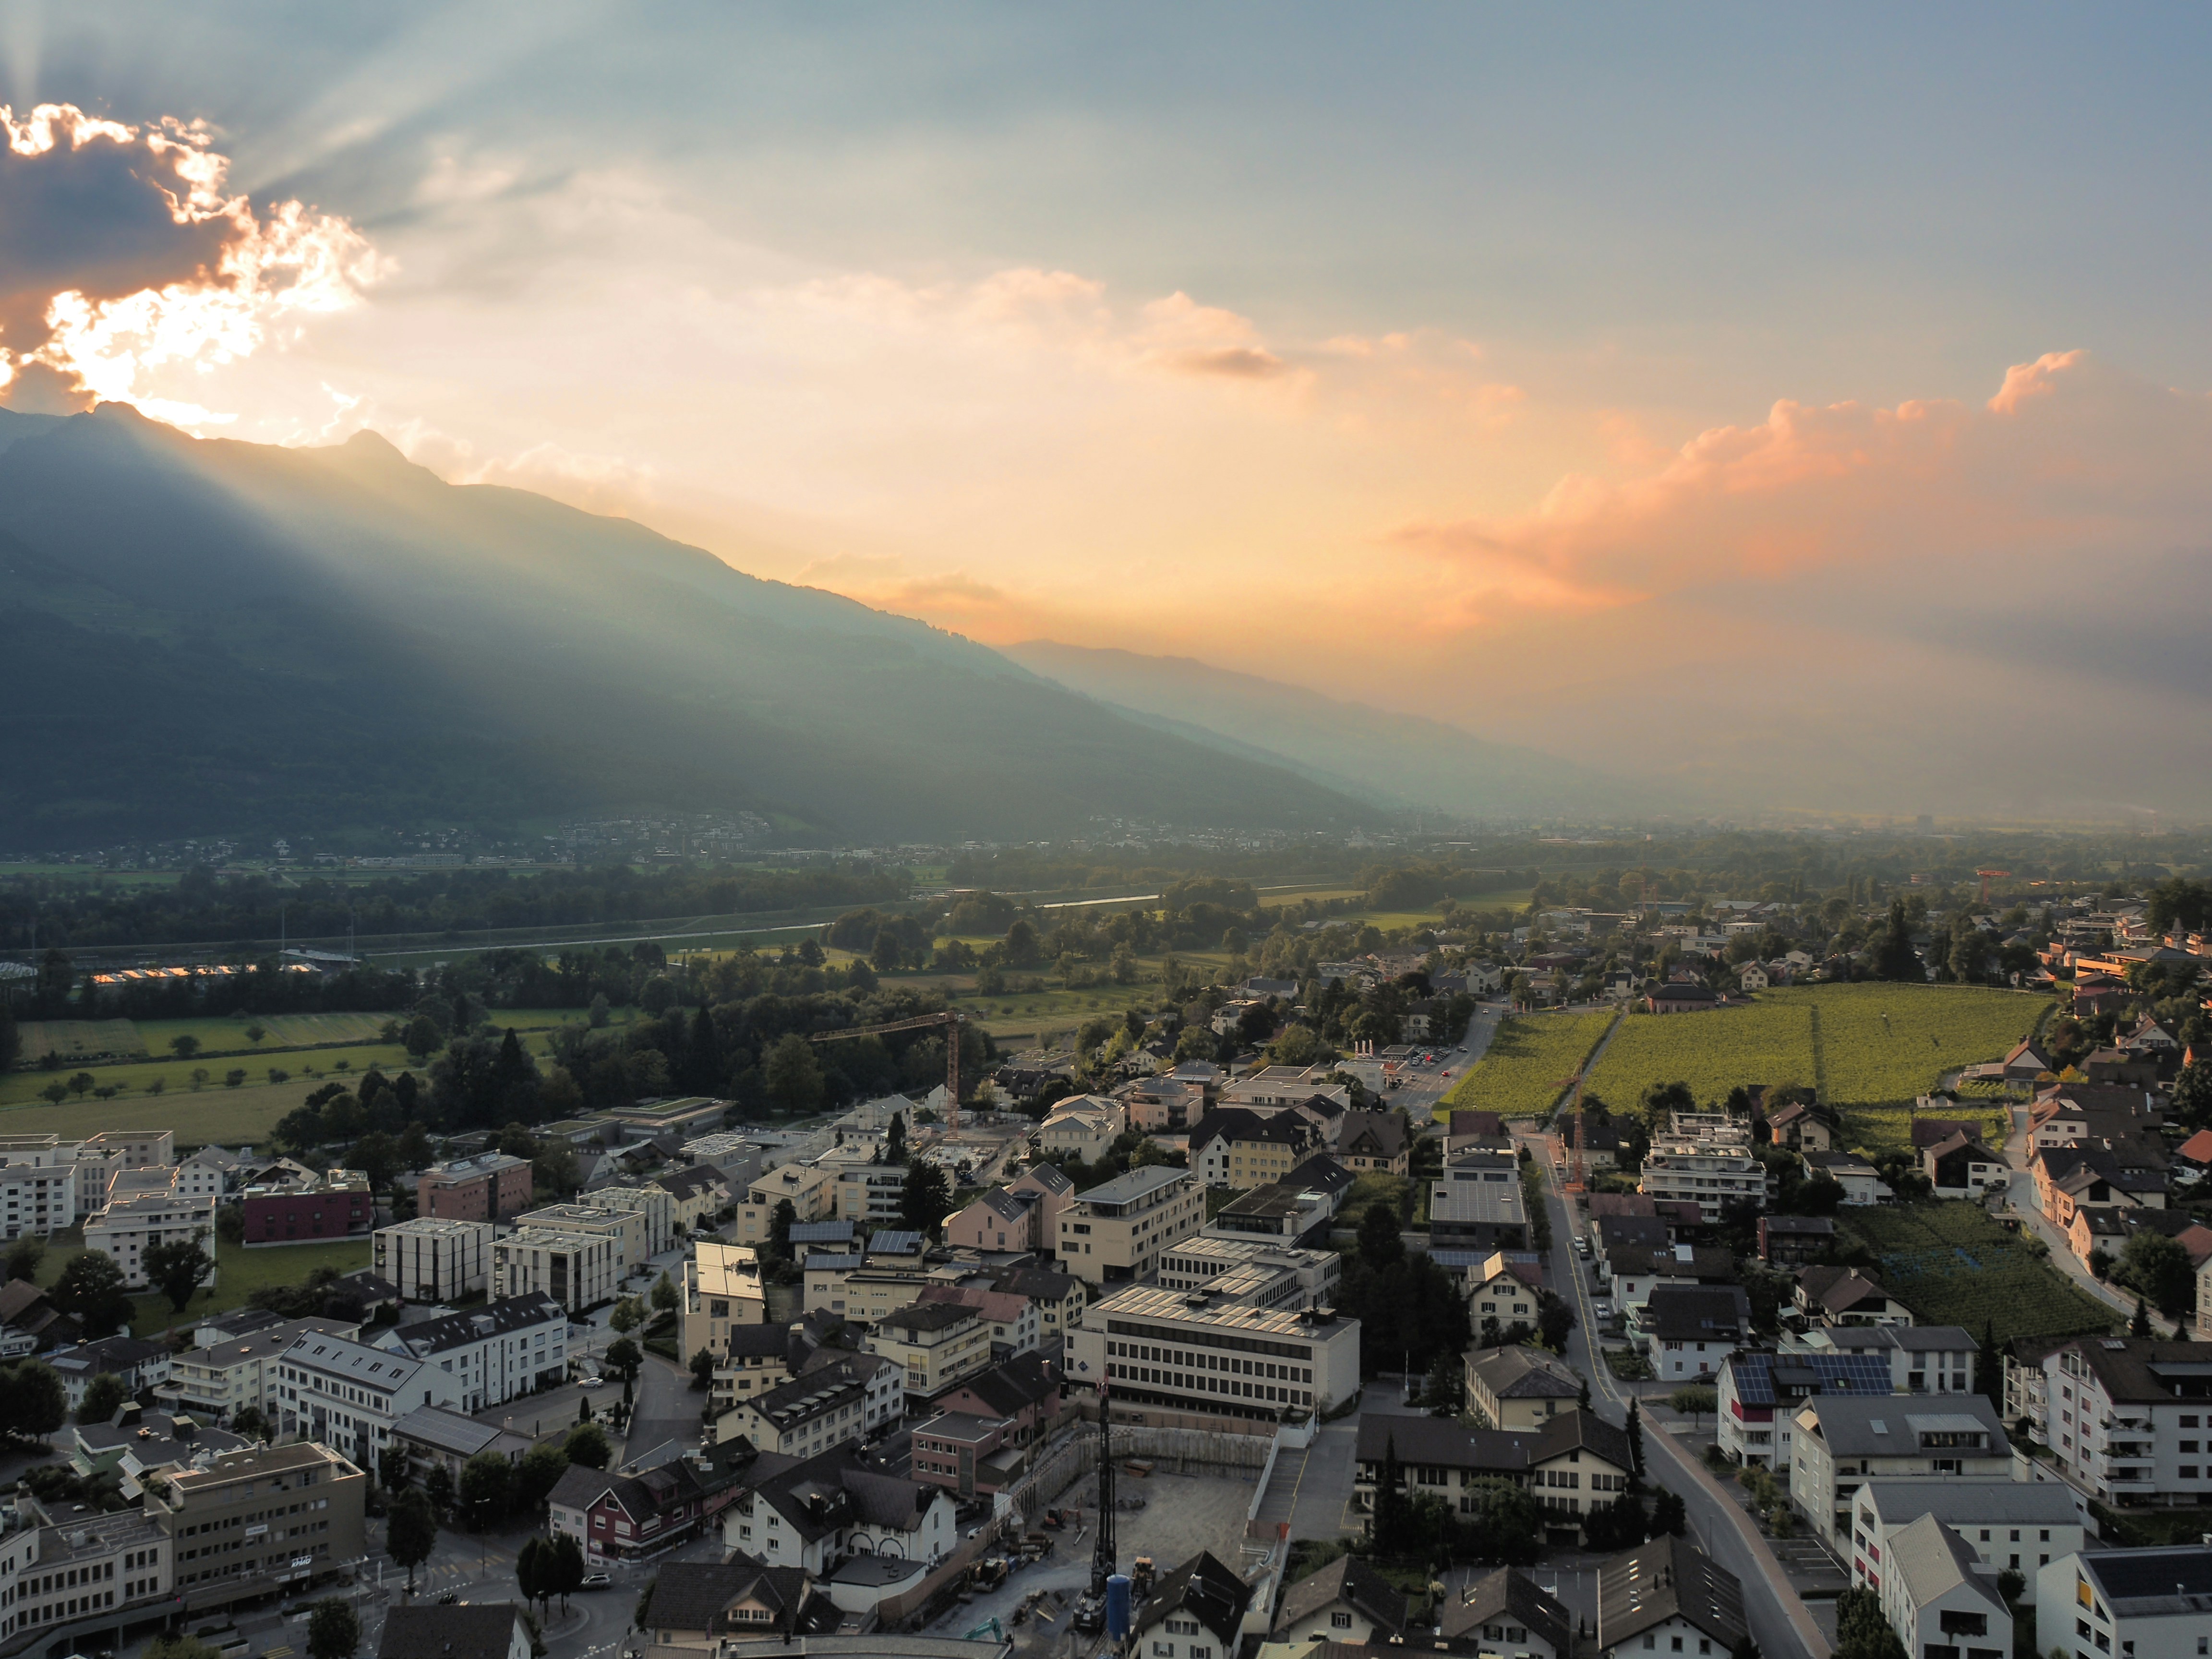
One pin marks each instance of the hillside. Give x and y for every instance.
(1396, 761)
(210, 636)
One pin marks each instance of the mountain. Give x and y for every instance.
(209, 636)
(1397, 761)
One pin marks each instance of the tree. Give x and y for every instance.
(781, 1220)
(1669, 1514)
(180, 1647)
(91, 1288)
(391, 1467)
(177, 1266)
(2157, 1268)
(1894, 957)
(1388, 1525)
(24, 1257)
(794, 1075)
(487, 1489)
(246, 1423)
(623, 1359)
(567, 1567)
(255, 1033)
(103, 1396)
(702, 1369)
(1380, 1243)
(1862, 1631)
(438, 1487)
(1635, 1437)
(1554, 1319)
(587, 1444)
(1441, 1389)
(665, 1296)
(627, 1314)
(32, 1402)
(333, 1629)
(2140, 1325)
(895, 1139)
(537, 1473)
(2193, 1094)
(185, 1045)
(926, 1198)
(411, 1531)
(533, 1570)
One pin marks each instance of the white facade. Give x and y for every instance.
(577, 1270)
(494, 1353)
(2139, 1603)
(1707, 1172)
(38, 1185)
(1157, 1349)
(1936, 1599)
(128, 1228)
(2019, 1526)
(348, 1395)
(432, 1260)
(656, 1204)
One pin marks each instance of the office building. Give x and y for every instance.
(1116, 1232)
(432, 1260)
(1166, 1352)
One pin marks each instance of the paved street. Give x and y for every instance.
(1779, 1621)
(2021, 1201)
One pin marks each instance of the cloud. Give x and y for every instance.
(122, 254)
(2069, 457)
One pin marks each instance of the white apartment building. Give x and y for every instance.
(220, 1379)
(38, 1184)
(844, 1399)
(811, 1192)
(654, 1205)
(129, 1227)
(871, 1193)
(2019, 1526)
(1160, 1353)
(497, 1353)
(1839, 1442)
(432, 1260)
(627, 1228)
(210, 1172)
(577, 1270)
(1115, 1233)
(2130, 1418)
(2139, 1603)
(1707, 1163)
(347, 1395)
(1937, 1599)
(721, 1288)
(1252, 1273)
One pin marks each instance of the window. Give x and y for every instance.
(1340, 1620)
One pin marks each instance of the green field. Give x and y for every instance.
(1519, 1074)
(1952, 1265)
(74, 1039)
(1713, 1052)
(238, 1272)
(305, 1067)
(1881, 1044)
(214, 1114)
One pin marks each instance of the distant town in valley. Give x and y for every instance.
(1550, 1241)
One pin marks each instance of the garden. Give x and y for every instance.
(1953, 1264)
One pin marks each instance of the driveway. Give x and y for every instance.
(666, 1409)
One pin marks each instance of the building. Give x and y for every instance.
(967, 1456)
(332, 1205)
(131, 1226)
(1520, 1388)
(653, 1206)
(210, 1172)
(1116, 1232)
(833, 1507)
(1374, 1140)
(1347, 1600)
(1164, 1356)
(472, 1630)
(579, 1270)
(1861, 1182)
(840, 1399)
(1710, 1168)
(136, 1364)
(811, 1191)
(642, 1512)
(219, 1378)
(1837, 1442)
(1020, 1396)
(722, 1289)
(755, 1359)
(1844, 1296)
(1759, 1393)
(1508, 1614)
(434, 1261)
(1687, 1329)
(348, 1395)
(1478, 1204)
(1632, 1272)
(845, 1284)
(1667, 1596)
(1085, 1126)
(1503, 1287)
(30, 1323)
(259, 1522)
(2144, 1603)
(1922, 1358)
(701, 1604)
(1196, 1611)
(1054, 1192)
(38, 1184)
(1791, 1240)
(1935, 1597)
(936, 1344)
(1014, 1323)
(490, 1187)
(2018, 1526)
(1233, 1147)
(497, 1353)
(696, 1195)
(434, 1437)
(1059, 1298)
(629, 1229)
(1285, 1212)
(2126, 1418)
(1251, 1272)
(1000, 1220)
(871, 1194)
(1961, 1166)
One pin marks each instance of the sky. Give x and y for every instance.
(1534, 369)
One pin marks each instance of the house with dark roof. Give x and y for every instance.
(472, 1630)
(1838, 1441)
(2152, 1602)
(1575, 1463)
(1196, 1612)
(698, 1193)
(1930, 1131)
(1759, 1394)
(1844, 1296)
(1680, 997)
(1240, 1148)
(838, 1396)
(1506, 1612)
(815, 1512)
(2026, 1063)
(30, 1323)
(1000, 1220)
(1804, 1127)
(1374, 1141)
(1520, 1388)
(699, 1604)
(630, 1514)
(1667, 1596)
(1059, 1298)
(1789, 1241)
(1963, 1166)
(434, 1437)
(1347, 1600)
(1687, 1329)
(1023, 1392)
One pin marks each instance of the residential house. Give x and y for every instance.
(1574, 1463)
(1085, 1126)
(1680, 997)
(696, 1194)
(1861, 1182)
(1014, 1323)
(30, 1323)
(1759, 1394)
(1506, 1613)
(132, 1225)
(1837, 1442)
(837, 1398)
(1113, 1233)
(139, 1366)
(1233, 1147)
(348, 1395)
(433, 1437)
(2154, 1603)
(701, 1604)
(135, 1445)
(1962, 1166)
(811, 1191)
(1503, 1285)
(1803, 1128)
(497, 1353)
(1789, 1241)
(1374, 1141)
(1478, 1204)
(1844, 1296)
(2018, 1526)
(628, 1515)
(1000, 1220)
(471, 1630)
(756, 1359)
(2127, 1419)
(936, 1344)
(579, 1270)
(237, 1363)
(1634, 1271)
(1667, 1596)
(1022, 1394)
(1687, 1329)
(1059, 1299)
(2026, 1063)
(722, 1288)
(1196, 1612)
(1347, 1600)
(489, 1186)
(434, 1260)
(330, 1207)
(1520, 1388)
(1935, 1597)
(815, 1512)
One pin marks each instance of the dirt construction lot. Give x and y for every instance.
(1183, 1515)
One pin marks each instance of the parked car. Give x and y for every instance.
(595, 1581)
(591, 1382)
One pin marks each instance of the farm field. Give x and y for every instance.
(1886, 1043)
(73, 1039)
(225, 1035)
(1952, 1265)
(213, 1115)
(1519, 1073)
(1713, 1052)
(305, 1068)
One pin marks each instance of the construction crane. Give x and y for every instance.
(949, 1018)
(1577, 1169)
(1987, 875)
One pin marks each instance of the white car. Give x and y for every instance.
(591, 1382)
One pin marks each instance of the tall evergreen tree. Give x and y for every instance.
(1389, 1524)
(1635, 1437)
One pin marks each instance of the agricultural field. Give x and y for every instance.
(1881, 1044)
(216, 1114)
(1952, 1265)
(1519, 1074)
(78, 1039)
(1764, 1042)
(303, 1069)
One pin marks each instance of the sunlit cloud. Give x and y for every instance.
(125, 256)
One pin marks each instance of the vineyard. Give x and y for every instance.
(1885, 1044)
(1519, 1074)
(1713, 1052)
(1952, 1265)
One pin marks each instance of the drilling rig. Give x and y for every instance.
(1091, 1608)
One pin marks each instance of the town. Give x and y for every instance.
(1798, 1274)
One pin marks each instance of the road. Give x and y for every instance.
(1779, 1621)
(2020, 1199)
